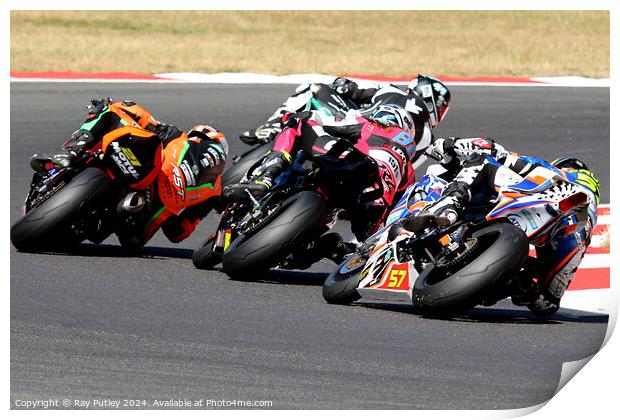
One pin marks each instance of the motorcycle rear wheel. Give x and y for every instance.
(204, 258)
(299, 218)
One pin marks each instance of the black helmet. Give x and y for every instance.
(435, 95)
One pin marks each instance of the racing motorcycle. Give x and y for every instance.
(452, 268)
(303, 203)
(327, 103)
(101, 192)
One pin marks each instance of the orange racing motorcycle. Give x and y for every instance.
(108, 188)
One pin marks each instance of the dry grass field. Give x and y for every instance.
(462, 43)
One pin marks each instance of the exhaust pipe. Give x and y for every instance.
(133, 202)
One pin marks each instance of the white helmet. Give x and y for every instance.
(393, 116)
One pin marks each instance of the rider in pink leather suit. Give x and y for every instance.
(387, 136)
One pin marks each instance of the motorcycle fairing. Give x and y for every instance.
(536, 213)
(384, 276)
(134, 153)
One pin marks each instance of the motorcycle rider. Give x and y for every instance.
(426, 98)
(474, 166)
(183, 180)
(387, 137)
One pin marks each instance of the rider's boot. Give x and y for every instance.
(417, 223)
(266, 132)
(259, 180)
(41, 162)
(523, 290)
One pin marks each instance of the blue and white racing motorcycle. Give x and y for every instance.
(456, 267)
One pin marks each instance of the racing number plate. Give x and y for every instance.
(396, 278)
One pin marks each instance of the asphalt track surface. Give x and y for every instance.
(98, 325)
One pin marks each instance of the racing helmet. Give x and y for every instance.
(435, 95)
(344, 86)
(190, 168)
(578, 172)
(206, 132)
(393, 116)
(207, 151)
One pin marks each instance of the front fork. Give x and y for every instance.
(225, 234)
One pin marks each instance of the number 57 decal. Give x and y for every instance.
(396, 278)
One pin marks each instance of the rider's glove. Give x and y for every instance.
(292, 120)
(463, 148)
(443, 149)
(498, 151)
(98, 105)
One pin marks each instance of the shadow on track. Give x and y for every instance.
(498, 315)
(300, 278)
(115, 251)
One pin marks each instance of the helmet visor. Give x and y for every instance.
(386, 118)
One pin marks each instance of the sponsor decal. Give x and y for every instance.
(400, 153)
(530, 219)
(403, 139)
(187, 172)
(518, 222)
(122, 161)
(178, 181)
(412, 108)
(214, 155)
(364, 273)
(427, 91)
(218, 146)
(386, 174)
(391, 169)
(481, 143)
(357, 262)
(440, 88)
(132, 158)
(207, 161)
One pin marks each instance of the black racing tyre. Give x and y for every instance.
(299, 218)
(501, 251)
(238, 169)
(341, 286)
(204, 258)
(42, 227)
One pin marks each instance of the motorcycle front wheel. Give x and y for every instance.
(341, 286)
(499, 251)
(47, 226)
